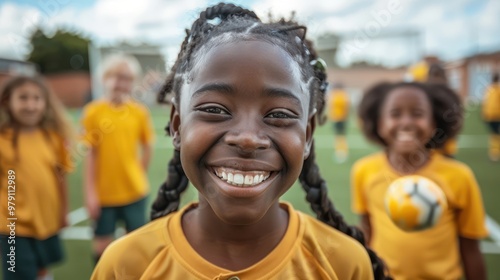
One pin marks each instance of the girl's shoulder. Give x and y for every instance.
(442, 163)
(6, 133)
(345, 254)
(131, 254)
(93, 107)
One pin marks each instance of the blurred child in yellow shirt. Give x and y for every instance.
(491, 114)
(338, 113)
(34, 158)
(115, 128)
(409, 120)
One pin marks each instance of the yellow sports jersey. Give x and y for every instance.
(35, 198)
(419, 72)
(338, 105)
(428, 254)
(117, 131)
(450, 147)
(491, 103)
(309, 250)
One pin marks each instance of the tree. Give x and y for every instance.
(65, 51)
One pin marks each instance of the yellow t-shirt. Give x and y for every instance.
(450, 147)
(491, 103)
(117, 133)
(309, 250)
(35, 188)
(419, 72)
(338, 105)
(426, 254)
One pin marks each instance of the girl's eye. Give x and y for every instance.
(280, 115)
(281, 118)
(418, 114)
(213, 110)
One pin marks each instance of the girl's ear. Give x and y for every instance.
(311, 126)
(175, 127)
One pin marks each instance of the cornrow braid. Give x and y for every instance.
(317, 195)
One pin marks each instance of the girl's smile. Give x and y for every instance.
(243, 178)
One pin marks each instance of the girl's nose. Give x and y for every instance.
(247, 140)
(31, 104)
(406, 120)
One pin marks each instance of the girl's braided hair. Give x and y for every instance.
(236, 24)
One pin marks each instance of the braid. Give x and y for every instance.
(317, 195)
(168, 198)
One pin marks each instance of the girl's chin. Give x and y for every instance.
(415, 153)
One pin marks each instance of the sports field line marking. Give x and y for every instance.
(77, 216)
(77, 233)
(494, 229)
(489, 248)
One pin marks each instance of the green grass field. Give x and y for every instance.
(78, 264)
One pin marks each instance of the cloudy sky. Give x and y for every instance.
(448, 28)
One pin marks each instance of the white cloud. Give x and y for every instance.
(16, 24)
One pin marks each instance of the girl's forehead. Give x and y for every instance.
(407, 95)
(122, 68)
(28, 87)
(241, 51)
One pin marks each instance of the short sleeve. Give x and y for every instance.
(358, 197)
(147, 133)
(471, 214)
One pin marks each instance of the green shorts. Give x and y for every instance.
(23, 259)
(133, 215)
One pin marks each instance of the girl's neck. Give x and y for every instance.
(234, 247)
(118, 100)
(25, 128)
(408, 163)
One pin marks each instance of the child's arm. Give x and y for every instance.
(91, 201)
(146, 156)
(63, 193)
(472, 259)
(366, 227)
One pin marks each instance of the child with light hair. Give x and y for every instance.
(115, 127)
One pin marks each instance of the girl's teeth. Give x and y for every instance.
(239, 179)
(248, 180)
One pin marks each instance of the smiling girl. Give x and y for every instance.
(34, 137)
(410, 120)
